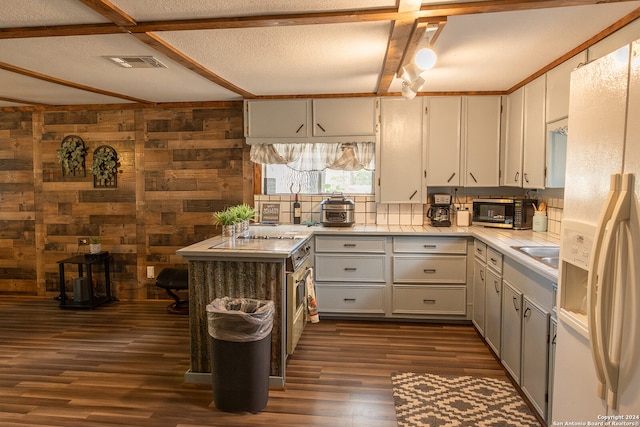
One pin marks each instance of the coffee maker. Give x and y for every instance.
(440, 210)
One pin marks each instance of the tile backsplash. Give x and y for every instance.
(368, 212)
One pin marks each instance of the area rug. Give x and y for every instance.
(426, 400)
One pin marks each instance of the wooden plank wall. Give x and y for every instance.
(176, 167)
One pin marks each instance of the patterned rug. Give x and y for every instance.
(423, 400)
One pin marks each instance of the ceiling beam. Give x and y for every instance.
(434, 12)
(55, 80)
(111, 12)
(22, 101)
(166, 49)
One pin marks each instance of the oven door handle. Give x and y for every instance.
(304, 278)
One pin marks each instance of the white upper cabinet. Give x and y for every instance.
(277, 118)
(308, 120)
(513, 146)
(558, 80)
(481, 141)
(344, 117)
(401, 150)
(443, 140)
(534, 132)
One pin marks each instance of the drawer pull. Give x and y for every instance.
(350, 269)
(479, 250)
(349, 245)
(429, 246)
(349, 300)
(429, 301)
(493, 260)
(429, 270)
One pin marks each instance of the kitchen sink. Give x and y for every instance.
(548, 255)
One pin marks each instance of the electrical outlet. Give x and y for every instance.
(83, 241)
(151, 272)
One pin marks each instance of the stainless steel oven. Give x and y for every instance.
(298, 271)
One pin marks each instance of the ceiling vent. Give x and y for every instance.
(136, 61)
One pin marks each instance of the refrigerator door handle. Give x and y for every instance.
(594, 278)
(610, 284)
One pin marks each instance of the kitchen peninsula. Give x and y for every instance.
(252, 267)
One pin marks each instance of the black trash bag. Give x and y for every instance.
(240, 319)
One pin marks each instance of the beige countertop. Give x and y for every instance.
(502, 240)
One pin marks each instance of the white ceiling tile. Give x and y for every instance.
(31, 13)
(333, 58)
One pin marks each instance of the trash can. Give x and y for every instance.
(240, 346)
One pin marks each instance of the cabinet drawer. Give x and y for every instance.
(494, 260)
(350, 268)
(430, 245)
(338, 298)
(430, 269)
(350, 244)
(480, 250)
(429, 299)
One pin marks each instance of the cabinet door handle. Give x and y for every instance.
(320, 126)
(553, 341)
(481, 276)
(429, 270)
(301, 126)
(413, 194)
(474, 178)
(451, 177)
(429, 246)
(526, 312)
(349, 245)
(428, 301)
(525, 177)
(497, 288)
(349, 300)
(515, 179)
(350, 269)
(515, 305)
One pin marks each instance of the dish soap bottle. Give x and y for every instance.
(297, 210)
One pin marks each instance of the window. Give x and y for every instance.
(316, 168)
(281, 179)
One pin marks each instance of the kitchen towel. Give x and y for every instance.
(312, 307)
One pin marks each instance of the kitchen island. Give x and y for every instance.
(247, 268)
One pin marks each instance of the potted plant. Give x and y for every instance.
(95, 247)
(104, 167)
(245, 214)
(227, 219)
(71, 155)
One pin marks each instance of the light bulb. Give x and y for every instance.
(425, 58)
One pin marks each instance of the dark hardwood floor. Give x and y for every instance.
(123, 365)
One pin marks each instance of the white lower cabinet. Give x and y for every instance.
(429, 276)
(553, 330)
(535, 337)
(493, 308)
(479, 284)
(511, 330)
(351, 275)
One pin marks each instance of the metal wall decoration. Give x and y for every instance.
(71, 155)
(105, 167)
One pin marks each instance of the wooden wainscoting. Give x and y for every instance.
(123, 365)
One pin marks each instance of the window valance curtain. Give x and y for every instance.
(306, 157)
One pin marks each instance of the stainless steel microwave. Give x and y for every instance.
(503, 213)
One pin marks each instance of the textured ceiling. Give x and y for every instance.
(305, 48)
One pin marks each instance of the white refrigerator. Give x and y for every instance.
(597, 359)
